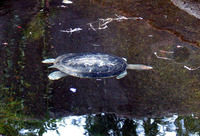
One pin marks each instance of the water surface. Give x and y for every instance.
(164, 100)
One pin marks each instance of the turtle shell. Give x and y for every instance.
(89, 65)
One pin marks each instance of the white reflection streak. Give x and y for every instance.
(67, 2)
(191, 69)
(103, 23)
(161, 57)
(71, 30)
(73, 90)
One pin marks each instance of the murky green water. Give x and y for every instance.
(162, 101)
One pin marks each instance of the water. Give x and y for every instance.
(162, 101)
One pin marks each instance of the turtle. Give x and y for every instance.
(91, 65)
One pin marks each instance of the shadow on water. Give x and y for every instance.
(162, 101)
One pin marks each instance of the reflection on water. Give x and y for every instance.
(109, 124)
(164, 100)
(180, 54)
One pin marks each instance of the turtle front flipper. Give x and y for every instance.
(139, 67)
(56, 75)
(123, 74)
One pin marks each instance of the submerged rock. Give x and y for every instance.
(192, 7)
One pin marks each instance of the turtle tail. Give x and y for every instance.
(139, 67)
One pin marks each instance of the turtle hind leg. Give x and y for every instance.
(123, 74)
(56, 75)
(48, 61)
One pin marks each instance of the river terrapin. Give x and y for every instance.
(91, 65)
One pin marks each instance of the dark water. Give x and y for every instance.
(162, 101)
